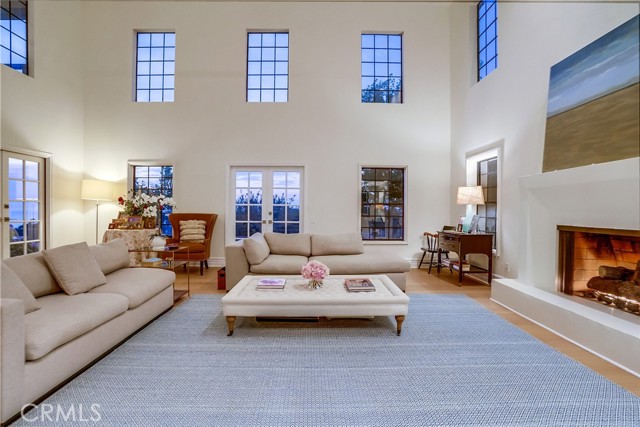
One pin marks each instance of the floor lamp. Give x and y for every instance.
(98, 191)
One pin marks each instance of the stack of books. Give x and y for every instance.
(456, 266)
(359, 285)
(152, 262)
(270, 284)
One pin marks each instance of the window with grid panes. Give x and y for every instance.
(487, 37)
(488, 179)
(156, 180)
(381, 68)
(155, 67)
(382, 205)
(267, 67)
(13, 35)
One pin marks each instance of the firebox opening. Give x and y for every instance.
(601, 265)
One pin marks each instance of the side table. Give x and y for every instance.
(133, 238)
(168, 263)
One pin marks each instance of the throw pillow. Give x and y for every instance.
(289, 244)
(256, 248)
(12, 287)
(74, 267)
(336, 244)
(111, 256)
(192, 231)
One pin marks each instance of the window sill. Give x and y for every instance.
(385, 242)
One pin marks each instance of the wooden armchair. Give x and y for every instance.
(197, 251)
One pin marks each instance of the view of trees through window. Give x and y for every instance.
(156, 180)
(382, 203)
(381, 68)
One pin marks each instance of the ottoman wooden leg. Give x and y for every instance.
(231, 320)
(399, 319)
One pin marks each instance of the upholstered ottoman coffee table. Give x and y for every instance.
(332, 300)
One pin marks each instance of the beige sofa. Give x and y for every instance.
(63, 308)
(275, 254)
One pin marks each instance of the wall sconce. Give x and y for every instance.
(98, 191)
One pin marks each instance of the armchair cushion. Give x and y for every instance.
(192, 231)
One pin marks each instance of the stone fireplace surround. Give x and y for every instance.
(603, 195)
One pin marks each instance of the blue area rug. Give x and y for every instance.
(456, 364)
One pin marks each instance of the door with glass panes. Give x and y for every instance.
(23, 204)
(266, 199)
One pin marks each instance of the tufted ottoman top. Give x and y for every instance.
(332, 300)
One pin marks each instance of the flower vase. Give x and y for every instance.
(158, 242)
(315, 284)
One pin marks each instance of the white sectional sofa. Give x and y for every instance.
(280, 254)
(63, 308)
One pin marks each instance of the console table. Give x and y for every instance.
(463, 244)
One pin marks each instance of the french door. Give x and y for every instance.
(23, 204)
(266, 199)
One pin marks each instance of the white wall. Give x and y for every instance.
(510, 104)
(324, 126)
(44, 111)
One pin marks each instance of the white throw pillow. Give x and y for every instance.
(256, 248)
(74, 267)
(12, 287)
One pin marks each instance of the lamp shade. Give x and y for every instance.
(470, 195)
(95, 189)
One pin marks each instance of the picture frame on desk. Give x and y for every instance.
(135, 222)
(149, 222)
(113, 226)
(473, 227)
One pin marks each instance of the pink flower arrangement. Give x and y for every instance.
(315, 270)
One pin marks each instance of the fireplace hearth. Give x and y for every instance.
(600, 264)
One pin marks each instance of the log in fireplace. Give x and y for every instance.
(600, 264)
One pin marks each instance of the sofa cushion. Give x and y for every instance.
(34, 273)
(137, 284)
(289, 244)
(63, 318)
(336, 244)
(256, 248)
(280, 264)
(111, 256)
(364, 263)
(192, 230)
(74, 267)
(12, 287)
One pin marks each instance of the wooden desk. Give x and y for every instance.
(463, 244)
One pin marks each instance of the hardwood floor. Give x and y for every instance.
(419, 281)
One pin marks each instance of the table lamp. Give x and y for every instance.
(98, 191)
(470, 195)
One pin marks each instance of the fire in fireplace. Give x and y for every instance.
(600, 264)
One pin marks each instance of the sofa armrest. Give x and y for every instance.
(12, 357)
(236, 264)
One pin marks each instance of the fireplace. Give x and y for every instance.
(600, 264)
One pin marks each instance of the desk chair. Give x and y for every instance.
(431, 247)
